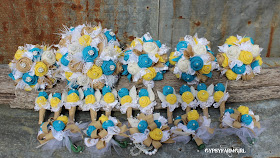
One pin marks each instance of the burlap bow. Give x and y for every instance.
(151, 126)
(102, 134)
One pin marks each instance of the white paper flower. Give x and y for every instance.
(233, 52)
(83, 80)
(150, 47)
(74, 48)
(183, 64)
(199, 49)
(133, 68)
(49, 57)
(255, 50)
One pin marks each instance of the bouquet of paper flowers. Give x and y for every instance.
(89, 56)
(192, 125)
(101, 135)
(55, 134)
(193, 59)
(239, 58)
(241, 122)
(148, 132)
(145, 60)
(34, 67)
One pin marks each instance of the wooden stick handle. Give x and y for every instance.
(93, 115)
(42, 112)
(56, 114)
(188, 109)
(205, 112)
(72, 112)
(108, 113)
(169, 116)
(129, 112)
(222, 108)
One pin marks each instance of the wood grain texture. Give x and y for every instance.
(261, 87)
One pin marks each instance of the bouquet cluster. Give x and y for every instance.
(239, 58)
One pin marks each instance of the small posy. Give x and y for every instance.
(146, 101)
(128, 100)
(193, 60)
(109, 99)
(239, 58)
(145, 60)
(188, 99)
(42, 104)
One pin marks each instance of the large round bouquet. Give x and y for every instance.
(145, 60)
(89, 56)
(239, 58)
(34, 67)
(193, 59)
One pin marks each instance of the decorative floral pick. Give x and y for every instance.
(72, 99)
(146, 101)
(41, 105)
(56, 103)
(128, 100)
(109, 99)
(145, 60)
(170, 100)
(193, 59)
(188, 99)
(239, 58)
(204, 97)
(220, 97)
(91, 102)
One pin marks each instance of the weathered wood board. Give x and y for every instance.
(261, 87)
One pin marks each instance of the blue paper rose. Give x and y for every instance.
(106, 89)
(142, 126)
(123, 92)
(201, 86)
(58, 125)
(246, 119)
(144, 61)
(110, 35)
(90, 130)
(143, 92)
(184, 88)
(167, 90)
(108, 123)
(219, 87)
(193, 125)
(30, 80)
(231, 111)
(196, 63)
(89, 91)
(239, 70)
(64, 61)
(89, 54)
(187, 77)
(182, 45)
(108, 67)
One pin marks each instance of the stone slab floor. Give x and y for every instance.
(19, 129)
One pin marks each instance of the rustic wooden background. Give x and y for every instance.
(37, 21)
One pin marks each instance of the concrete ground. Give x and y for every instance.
(19, 129)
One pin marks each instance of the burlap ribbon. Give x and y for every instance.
(75, 66)
(98, 85)
(24, 64)
(100, 133)
(47, 134)
(151, 126)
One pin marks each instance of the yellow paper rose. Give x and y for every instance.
(156, 134)
(126, 99)
(171, 99)
(68, 75)
(136, 41)
(218, 95)
(231, 40)
(63, 118)
(54, 102)
(187, 97)
(109, 97)
(72, 98)
(58, 56)
(160, 59)
(203, 95)
(144, 101)
(150, 74)
(246, 57)
(90, 99)
(95, 72)
(103, 118)
(225, 62)
(171, 57)
(19, 54)
(231, 75)
(41, 69)
(85, 40)
(41, 101)
(260, 60)
(243, 110)
(206, 69)
(192, 115)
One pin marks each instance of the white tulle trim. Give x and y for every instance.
(86, 107)
(90, 142)
(223, 48)
(69, 105)
(59, 105)
(150, 83)
(171, 107)
(124, 107)
(111, 80)
(206, 104)
(148, 110)
(235, 62)
(193, 104)
(165, 136)
(100, 79)
(140, 137)
(108, 107)
(251, 125)
(227, 121)
(163, 49)
(248, 70)
(257, 70)
(224, 98)
(46, 106)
